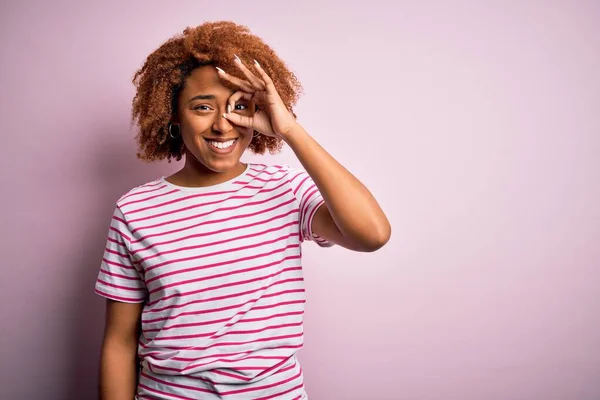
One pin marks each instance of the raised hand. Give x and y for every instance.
(272, 117)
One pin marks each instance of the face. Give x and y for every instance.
(212, 143)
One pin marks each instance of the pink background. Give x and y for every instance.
(477, 126)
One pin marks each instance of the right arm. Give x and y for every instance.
(118, 367)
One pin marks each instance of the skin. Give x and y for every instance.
(118, 359)
(202, 102)
(358, 225)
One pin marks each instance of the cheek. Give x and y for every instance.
(193, 129)
(193, 126)
(190, 131)
(248, 134)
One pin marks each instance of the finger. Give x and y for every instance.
(265, 77)
(235, 97)
(242, 84)
(256, 83)
(239, 120)
(260, 98)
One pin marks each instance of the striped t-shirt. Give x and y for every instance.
(219, 272)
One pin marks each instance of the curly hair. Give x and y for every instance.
(162, 77)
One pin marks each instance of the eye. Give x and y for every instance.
(241, 107)
(202, 107)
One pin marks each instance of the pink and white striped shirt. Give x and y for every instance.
(219, 271)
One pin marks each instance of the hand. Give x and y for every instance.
(272, 117)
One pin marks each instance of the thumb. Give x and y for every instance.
(239, 120)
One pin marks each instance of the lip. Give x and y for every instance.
(219, 139)
(222, 151)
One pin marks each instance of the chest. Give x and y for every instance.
(213, 240)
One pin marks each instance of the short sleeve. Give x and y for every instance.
(309, 200)
(118, 278)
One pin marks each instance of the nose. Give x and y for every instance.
(221, 124)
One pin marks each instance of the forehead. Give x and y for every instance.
(205, 80)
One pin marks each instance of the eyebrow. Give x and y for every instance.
(206, 96)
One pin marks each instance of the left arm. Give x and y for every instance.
(358, 224)
(352, 218)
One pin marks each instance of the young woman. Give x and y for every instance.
(202, 270)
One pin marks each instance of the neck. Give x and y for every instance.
(196, 174)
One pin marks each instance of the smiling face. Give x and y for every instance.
(213, 144)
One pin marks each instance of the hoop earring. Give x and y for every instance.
(255, 134)
(177, 135)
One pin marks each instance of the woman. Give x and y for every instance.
(202, 270)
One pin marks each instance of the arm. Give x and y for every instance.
(352, 218)
(118, 369)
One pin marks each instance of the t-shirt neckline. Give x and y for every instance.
(211, 188)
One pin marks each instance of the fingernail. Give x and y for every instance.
(237, 59)
(256, 62)
(220, 70)
(225, 116)
(228, 108)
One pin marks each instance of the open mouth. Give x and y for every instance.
(221, 146)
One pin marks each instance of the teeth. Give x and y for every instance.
(221, 145)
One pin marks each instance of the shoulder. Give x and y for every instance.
(269, 171)
(274, 171)
(141, 192)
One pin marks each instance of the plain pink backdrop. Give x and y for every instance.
(475, 124)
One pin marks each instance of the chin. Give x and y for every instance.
(217, 163)
(221, 165)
